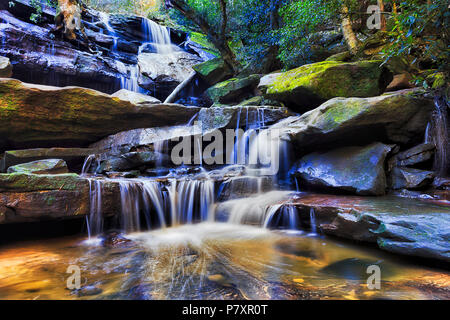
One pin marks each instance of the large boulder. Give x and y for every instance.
(213, 71)
(40, 116)
(306, 87)
(50, 166)
(5, 68)
(233, 90)
(354, 169)
(400, 117)
(35, 198)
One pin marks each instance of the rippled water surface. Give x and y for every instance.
(211, 261)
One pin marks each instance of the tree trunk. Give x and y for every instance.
(69, 18)
(218, 38)
(383, 18)
(347, 30)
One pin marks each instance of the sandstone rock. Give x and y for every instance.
(400, 82)
(31, 197)
(308, 86)
(37, 116)
(409, 178)
(5, 68)
(233, 90)
(74, 157)
(354, 169)
(398, 117)
(213, 71)
(50, 166)
(134, 97)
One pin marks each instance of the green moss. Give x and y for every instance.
(20, 182)
(329, 79)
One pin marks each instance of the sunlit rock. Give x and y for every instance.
(50, 166)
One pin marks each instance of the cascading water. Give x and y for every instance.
(438, 133)
(157, 37)
(95, 220)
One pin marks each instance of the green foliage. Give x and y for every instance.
(421, 33)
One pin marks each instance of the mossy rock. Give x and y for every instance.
(233, 90)
(26, 182)
(49, 166)
(306, 87)
(213, 71)
(399, 117)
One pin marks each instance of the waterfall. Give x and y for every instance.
(140, 196)
(88, 164)
(312, 219)
(95, 220)
(157, 36)
(191, 200)
(438, 133)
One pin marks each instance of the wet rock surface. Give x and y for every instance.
(50, 166)
(354, 169)
(404, 226)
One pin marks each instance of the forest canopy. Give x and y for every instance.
(267, 35)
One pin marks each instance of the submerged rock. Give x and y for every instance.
(307, 87)
(399, 117)
(50, 166)
(213, 71)
(37, 116)
(5, 68)
(409, 178)
(354, 169)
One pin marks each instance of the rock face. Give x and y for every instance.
(416, 155)
(354, 169)
(403, 226)
(30, 197)
(74, 157)
(128, 161)
(397, 118)
(38, 116)
(233, 90)
(50, 166)
(213, 71)
(308, 86)
(5, 68)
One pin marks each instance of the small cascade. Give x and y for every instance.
(94, 221)
(104, 17)
(138, 197)
(87, 165)
(258, 210)
(312, 220)
(285, 217)
(438, 133)
(191, 200)
(157, 37)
